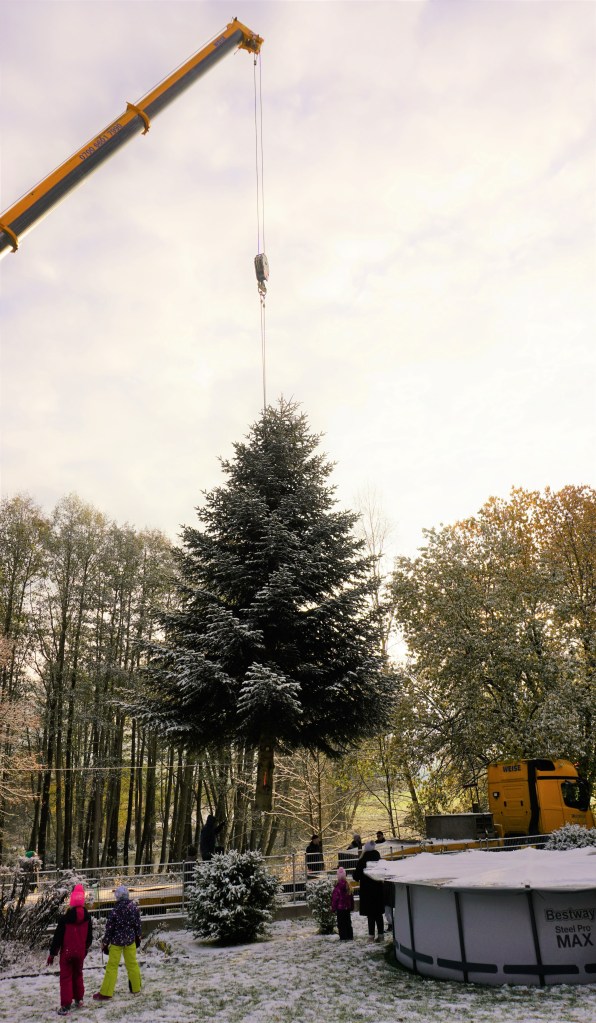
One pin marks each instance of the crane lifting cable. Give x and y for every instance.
(261, 261)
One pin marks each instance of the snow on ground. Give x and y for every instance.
(295, 976)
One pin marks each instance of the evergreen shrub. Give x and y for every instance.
(232, 898)
(318, 899)
(571, 836)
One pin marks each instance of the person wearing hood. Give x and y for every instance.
(342, 904)
(372, 900)
(313, 857)
(122, 937)
(209, 833)
(72, 938)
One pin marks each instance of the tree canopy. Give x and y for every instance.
(499, 613)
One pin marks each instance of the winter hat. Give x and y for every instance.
(121, 892)
(77, 896)
(369, 846)
(341, 874)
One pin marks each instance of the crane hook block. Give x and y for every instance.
(261, 268)
(262, 272)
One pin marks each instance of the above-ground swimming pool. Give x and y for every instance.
(525, 916)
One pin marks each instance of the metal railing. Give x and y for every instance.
(162, 893)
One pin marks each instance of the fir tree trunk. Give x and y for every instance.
(145, 850)
(264, 783)
(115, 791)
(181, 837)
(131, 790)
(166, 809)
(198, 804)
(139, 794)
(177, 794)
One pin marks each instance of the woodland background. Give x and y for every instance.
(489, 634)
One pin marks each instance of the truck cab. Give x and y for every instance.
(535, 797)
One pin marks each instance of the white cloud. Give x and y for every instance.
(429, 186)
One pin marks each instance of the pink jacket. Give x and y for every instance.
(342, 897)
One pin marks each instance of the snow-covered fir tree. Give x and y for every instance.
(273, 641)
(318, 899)
(232, 898)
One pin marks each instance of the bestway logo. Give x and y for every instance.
(570, 914)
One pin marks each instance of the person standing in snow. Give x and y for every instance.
(30, 864)
(72, 938)
(342, 904)
(122, 937)
(209, 833)
(372, 900)
(314, 856)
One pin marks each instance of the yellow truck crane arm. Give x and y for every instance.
(136, 119)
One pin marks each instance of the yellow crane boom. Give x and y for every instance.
(136, 119)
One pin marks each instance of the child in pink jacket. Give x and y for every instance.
(342, 903)
(72, 938)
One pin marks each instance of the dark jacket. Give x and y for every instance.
(73, 935)
(209, 833)
(372, 900)
(314, 858)
(123, 926)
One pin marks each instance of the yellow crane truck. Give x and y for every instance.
(535, 797)
(525, 797)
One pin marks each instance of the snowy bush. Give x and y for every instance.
(318, 899)
(26, 913)
(571, 836)
(232, 897)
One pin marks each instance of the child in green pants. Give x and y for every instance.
(122, 937)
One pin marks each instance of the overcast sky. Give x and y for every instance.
(430, 184)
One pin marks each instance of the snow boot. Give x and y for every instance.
(64, 1010)
(98, 997)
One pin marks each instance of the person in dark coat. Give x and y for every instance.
(314, 856)
(122, 936)
(342, 904)
(72, 938)
(372, 900)
(209, 833)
